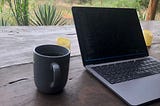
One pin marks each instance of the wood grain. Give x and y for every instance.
(17, 86)
(17, 43)
(82, 89)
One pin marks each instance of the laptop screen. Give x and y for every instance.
(108, 34)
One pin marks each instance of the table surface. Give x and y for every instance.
(17, 87)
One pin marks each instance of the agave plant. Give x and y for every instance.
(48, 15)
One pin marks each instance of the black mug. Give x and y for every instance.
(51, 66)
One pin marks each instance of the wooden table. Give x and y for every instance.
(82, 89)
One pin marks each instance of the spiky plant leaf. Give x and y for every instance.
(20, 12)
(48, 15)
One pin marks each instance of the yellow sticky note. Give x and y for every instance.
(65, 42)
(148, 37)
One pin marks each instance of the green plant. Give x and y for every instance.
(85, 1)
(48, 15)
(3, 22)
(20, 12)
(1, 4)
(144, 3)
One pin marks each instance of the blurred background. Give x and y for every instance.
(58, 12)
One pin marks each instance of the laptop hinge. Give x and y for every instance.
(91, 65)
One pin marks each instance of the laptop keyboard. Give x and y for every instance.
(125, 71)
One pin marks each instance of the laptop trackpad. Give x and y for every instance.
(139, 91)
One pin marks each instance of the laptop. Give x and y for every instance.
(114, 51)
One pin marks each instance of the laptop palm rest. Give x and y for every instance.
(134, 92)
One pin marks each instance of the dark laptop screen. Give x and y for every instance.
(108, 34)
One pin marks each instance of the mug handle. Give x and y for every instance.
(56, 74)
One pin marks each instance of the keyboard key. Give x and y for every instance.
(125, 71)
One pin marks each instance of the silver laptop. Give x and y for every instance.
(113, 50)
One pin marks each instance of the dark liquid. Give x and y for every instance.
(52, 54)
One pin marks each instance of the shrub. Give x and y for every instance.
(48, 15)
(3, 22)
(19, 9)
